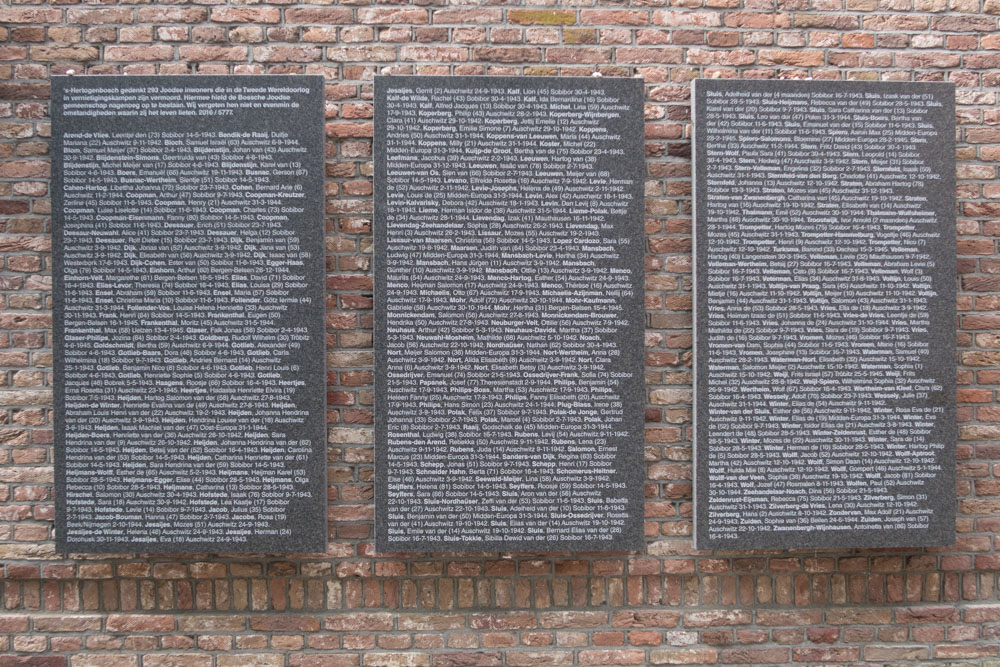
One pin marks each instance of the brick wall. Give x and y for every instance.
(669, 605)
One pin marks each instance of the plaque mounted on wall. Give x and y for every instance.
(509, 313)
(188, 303)
(825, 314)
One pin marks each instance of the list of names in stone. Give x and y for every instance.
(509, 265)
(825, 311)
(189, 267)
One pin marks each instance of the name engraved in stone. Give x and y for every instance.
(189, 314)
(509, 268)
(825, 314)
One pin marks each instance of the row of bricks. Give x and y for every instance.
(593, 621)
(676, 95)
(444, 593)
(749, 34)
(552, 55)
(390, 565)
(524, 658)
(834, 16)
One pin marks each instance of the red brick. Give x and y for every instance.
(831, 654)
(146, 53)
(24, 169)
(176, 660)
(965, 651)
(754, 656)
(284, 623)
(858, 616)
(327, 660)
(32, 661)
(796, 58)
(612, 657)
(103, 16)
(246, 14)
(538, 658)
(507, 54)
(465, 16)
(964, 24)
(654, 55)
(392, 16)
(14, 624)
(615, 17)
(781, 618)
(434, 53)
(348, 129)
(172, 15)
(318, 15)
(139, 623)
(64, 53)
(282, 53)
(29, 15)
(676, 17)
(362, 54)
(684, 656)
(23, 91)
(711, 619)
(198, 53)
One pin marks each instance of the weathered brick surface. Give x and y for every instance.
(668, 606)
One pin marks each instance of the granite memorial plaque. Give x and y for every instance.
(189, 313)
(825, 314)
(509, 313)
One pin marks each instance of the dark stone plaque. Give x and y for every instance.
(825, 314)
(509, 313)
(189, 323)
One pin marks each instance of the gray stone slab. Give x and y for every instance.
(825, 314)
(189, 314)
(509, 313)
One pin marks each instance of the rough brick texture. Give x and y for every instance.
(669, 605)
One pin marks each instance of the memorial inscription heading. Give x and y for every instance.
(189, 313)
(825, 314)
(509, 313)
